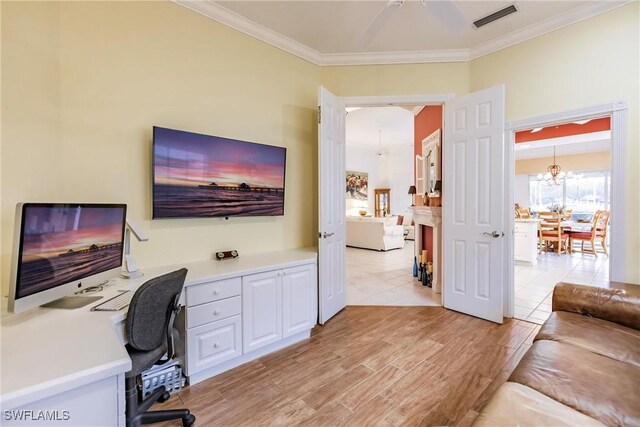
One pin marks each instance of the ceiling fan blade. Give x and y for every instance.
(379, 21)
(448, 13)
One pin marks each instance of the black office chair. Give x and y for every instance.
(149, 331)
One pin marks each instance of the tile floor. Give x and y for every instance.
(385, 278)
(534, 284)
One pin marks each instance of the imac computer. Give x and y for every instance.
(62, 248)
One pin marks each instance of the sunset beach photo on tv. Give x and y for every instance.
(198, 175)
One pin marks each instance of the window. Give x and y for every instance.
(585, 195)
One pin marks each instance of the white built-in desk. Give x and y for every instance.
(75, 360)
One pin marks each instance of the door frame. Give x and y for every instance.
(617, 111)
(394, 100)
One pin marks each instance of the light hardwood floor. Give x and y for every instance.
(368, 366)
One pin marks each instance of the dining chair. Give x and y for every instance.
(598, 232)
(523, 213)
(551, 235)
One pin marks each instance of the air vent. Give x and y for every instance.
(495, 16)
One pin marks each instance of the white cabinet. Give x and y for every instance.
(213, 343)
(525, 241)
(261, 309)
(298, 299)
(233, 320)
(277, 304)
(92, 404)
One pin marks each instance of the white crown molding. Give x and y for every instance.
(238, 22)
(553, 23)
(385, 58)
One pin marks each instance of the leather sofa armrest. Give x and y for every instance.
(615, 305)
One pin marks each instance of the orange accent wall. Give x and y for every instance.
(596, 125)
(426, 122)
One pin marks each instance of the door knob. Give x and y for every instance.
(493, 234)
(325, 235)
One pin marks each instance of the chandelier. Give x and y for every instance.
(555, 174)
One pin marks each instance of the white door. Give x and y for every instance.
(473, 204)
(331, 204)
(261, 309)
(298, 299)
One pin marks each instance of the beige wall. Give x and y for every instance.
(592, 62)
(83, 83)
(405, 79)
(574, 162)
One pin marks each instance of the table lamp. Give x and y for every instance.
(412, 191)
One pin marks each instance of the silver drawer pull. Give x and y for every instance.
(216, 292)
(215, 345)
(216, 312)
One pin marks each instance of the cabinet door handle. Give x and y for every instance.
(215, 345)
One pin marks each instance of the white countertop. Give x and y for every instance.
(48, 351)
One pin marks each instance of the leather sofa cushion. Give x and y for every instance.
(592, 334)
(516, 404)
(616, 305)
(595, 385)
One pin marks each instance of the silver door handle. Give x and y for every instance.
(493, 234)
(325, 235)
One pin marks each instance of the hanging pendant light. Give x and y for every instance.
(554, 174)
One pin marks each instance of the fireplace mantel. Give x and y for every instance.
(428, 216)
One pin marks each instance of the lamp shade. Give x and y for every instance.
(412, 189)
(437, 186)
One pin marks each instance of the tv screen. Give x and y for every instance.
(198, 175)
(62, 243)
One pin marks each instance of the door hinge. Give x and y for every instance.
(319, 114)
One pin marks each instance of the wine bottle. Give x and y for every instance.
(415, 266)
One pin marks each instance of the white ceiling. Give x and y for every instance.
(329, 32)
(396, 124)
(594, 142)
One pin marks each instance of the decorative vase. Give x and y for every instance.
(362, 212)
(415, 266)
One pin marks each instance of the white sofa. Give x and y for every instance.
(407, 219)
(381, 234)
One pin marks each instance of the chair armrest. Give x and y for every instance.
(615, 305)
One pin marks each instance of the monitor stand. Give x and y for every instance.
(69, 303)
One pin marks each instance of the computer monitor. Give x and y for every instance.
(61, 248)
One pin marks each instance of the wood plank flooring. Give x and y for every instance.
(384, 366)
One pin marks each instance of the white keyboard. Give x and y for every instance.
(116, 303)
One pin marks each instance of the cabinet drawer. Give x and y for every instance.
(210, 312)
(213, 343)
(213, 291)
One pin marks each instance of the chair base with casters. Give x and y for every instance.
(138, 412)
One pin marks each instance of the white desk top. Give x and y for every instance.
(48, 351)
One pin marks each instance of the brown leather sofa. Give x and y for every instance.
(583, 368)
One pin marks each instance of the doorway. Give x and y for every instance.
(380, 156)
(596, 184)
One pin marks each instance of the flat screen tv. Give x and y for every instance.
(198, 175)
